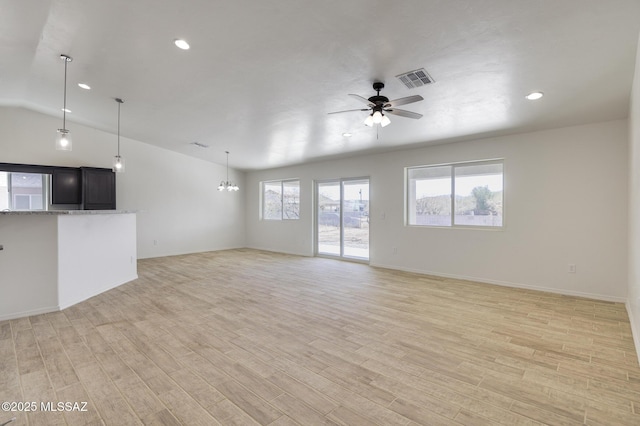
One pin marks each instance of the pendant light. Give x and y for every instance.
(118, 161)
(63, 139)
(226, 184)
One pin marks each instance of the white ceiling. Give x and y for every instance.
(261, 76)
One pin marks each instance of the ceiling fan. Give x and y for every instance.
(380, 105)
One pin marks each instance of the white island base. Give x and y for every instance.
(52, 260)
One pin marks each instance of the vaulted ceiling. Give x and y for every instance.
(261, 76)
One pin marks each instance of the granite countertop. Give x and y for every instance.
(65, 212)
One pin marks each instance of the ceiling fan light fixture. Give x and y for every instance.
(369, 120)
(378, 105)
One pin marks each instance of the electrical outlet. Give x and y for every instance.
(155, 242)
(571, 268)
(395, 250)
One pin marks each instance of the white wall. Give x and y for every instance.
(28, 284)
(96, 252)
(565, 202)
(633, 302)
(50, 262)
(179, 206)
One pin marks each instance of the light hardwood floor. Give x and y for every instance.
(244, 337)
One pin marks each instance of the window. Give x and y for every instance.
(281, 200)
(464, 194)
(22, 191)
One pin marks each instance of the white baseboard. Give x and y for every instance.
(603, 297)
(46, 310)
(634, 330)
(106, 288)
(280, 251)
(15, 315)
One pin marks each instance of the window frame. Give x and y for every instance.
(12, 196)
(282, 183)
(452, 224)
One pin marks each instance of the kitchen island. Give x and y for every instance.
(50, 260)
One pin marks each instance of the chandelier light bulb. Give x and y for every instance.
(384, 122)
(377, 117)
(368, 121)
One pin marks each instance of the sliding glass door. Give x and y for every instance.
(342, 218)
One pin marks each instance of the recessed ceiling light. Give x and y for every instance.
(84, 86)
(68, 111)
(534, 95)
(182, 44)
(347, 134)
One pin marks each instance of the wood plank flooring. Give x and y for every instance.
(244, 337)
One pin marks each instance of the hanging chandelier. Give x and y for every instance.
(226, 184)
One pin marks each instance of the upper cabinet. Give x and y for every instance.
(87, 188)
(65, 186)
(98, 189)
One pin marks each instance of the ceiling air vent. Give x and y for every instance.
(416, 78)
(200, 144)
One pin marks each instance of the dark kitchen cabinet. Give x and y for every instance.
(66, 186)
(98, 189)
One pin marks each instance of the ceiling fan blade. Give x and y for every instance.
(348, 110)
(404, 101)
(361, 99)
(403, 113)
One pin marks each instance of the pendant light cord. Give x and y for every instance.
(64, 101)
(120, 102)
(118, 128)
(227, 167)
